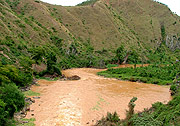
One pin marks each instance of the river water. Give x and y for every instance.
(82, 102)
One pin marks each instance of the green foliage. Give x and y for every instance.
(109, 120)
(37, 53)
(160, 114)
(174, 89)
(156, 74)
(57, 41)
(37, 1)
(161, 55)
(163, 32)
(130, 112)
(3, 113)
(8, 41)
(12, 97)
(145, 120)
(51, 65)
(74, 56)
(31, 93)
(133, 57)
(9, 73)
(26, 63)
(111, 65)
(13, 3)
(120, 54)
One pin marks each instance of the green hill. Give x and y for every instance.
(38, 39)
(100, 27)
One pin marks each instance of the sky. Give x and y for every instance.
(174, 5)
(64, 2)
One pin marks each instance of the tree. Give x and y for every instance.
(51, 64)
(120, 54)
(37, 54)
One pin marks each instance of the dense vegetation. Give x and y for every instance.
(156, 74)
(159, 114)
(53, 38)
(11, 98)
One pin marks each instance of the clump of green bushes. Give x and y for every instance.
(11, 101)
(123, 55)
(155, 74)
(51, 66)
(9, 73)
(11, 98)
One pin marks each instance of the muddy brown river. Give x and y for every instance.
(82, 102)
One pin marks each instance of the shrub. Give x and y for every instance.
(12, 97)
(173, 89)
(156, 74)
(37, 53)
(110, 120)
(9, 73)
(3, 113)
(51, 64)
(145, 120)
(120, 54)
(37, 1)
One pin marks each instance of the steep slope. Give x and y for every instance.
(147, 18)
(93, 31)
(38, 39)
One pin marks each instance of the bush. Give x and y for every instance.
(109, 120)
(173, 89)
(120, 54)
(145, 120)
(9, 73)
(13, 99)
(3, 113)
(156, 74)
(37, 53)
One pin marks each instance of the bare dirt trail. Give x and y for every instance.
(82, 102)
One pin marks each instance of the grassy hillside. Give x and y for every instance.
(38, 39)
(103, 26)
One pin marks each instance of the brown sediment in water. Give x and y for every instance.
(82, 102)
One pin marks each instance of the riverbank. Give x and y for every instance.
(85, 101)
